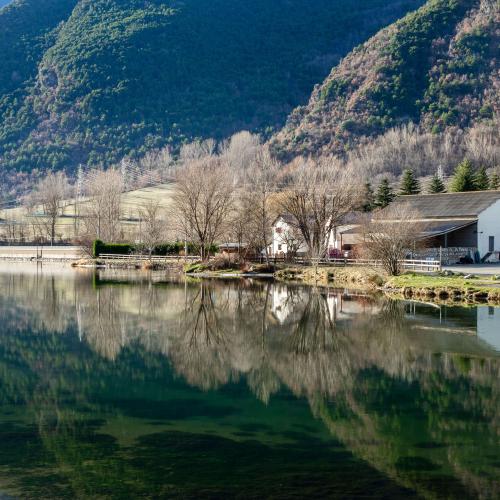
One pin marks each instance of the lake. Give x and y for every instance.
(134, 385)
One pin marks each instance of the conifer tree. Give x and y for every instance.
(368, 198)
(436, 185)
(385, 195)
(409, 183)
(495, 181)
(482, 180)
(463, 178)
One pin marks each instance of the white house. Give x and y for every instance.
(287, 240)
(459, 224)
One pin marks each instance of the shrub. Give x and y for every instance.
(226, 261)
(99, 248)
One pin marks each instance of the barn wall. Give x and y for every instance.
(489, 225)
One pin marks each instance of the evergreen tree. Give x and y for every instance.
(495, 181)
(463, 178)
(368, 198)
(436, 185)
(409, 183)
(385, 195)
(482, 180)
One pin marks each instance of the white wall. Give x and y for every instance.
(279, 246)
(489, 225)
(280, 230)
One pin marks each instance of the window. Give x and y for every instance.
(492, 244)
(279, 248)
(279, 230)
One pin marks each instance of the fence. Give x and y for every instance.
(408, 264)
(146, 258)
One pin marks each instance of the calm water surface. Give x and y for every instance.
(137, 386)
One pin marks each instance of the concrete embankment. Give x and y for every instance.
(45, 253)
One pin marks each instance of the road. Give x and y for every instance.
(47, 252)
(479, 269)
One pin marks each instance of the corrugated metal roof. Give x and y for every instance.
(429, 229)
(447, 205)
(432, 229)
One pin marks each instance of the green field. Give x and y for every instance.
(67, 224)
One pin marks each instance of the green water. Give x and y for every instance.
(142, 386)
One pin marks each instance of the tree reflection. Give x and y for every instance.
(315, 330)
(390, 385)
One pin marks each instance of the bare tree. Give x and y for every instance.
(292, 238)
(102, 210)
(153, 225)
(49, 195)
(320, 194)
(391, 235)
(197, 150)
(258, 199)
(203, 201)
(241, 151)
(154, 167)
(410, 147)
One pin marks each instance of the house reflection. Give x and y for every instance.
(341, 304)
(488, 325)
(459, 325)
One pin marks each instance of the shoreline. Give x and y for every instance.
(451, 289)
(454, 289)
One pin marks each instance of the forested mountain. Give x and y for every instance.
(438, 68)
(89, 81)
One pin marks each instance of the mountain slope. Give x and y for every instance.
(438, 67)
(90, 81)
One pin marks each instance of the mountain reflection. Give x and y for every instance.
(396, 382)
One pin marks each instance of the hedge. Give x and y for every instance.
(99, 247)
(175, 248)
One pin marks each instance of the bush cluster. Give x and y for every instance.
(99, 248)
(164, 249)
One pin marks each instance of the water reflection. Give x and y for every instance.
(107, 375)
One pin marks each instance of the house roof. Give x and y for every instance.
(439, 228)
(429, 229)
(448, 205)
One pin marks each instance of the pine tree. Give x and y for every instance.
(409, 183)
(385, 195)
(482, 180)
(463, 178)
(368, 198)
(436, 185)
(495, 181)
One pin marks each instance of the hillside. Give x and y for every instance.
(438, 67)
(89, 81)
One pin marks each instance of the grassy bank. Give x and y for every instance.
(445, 288)
(411, 286)
(353, 277)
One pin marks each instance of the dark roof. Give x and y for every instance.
(289, 219)
(439, 228)
(429, 229)
(448, 205)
